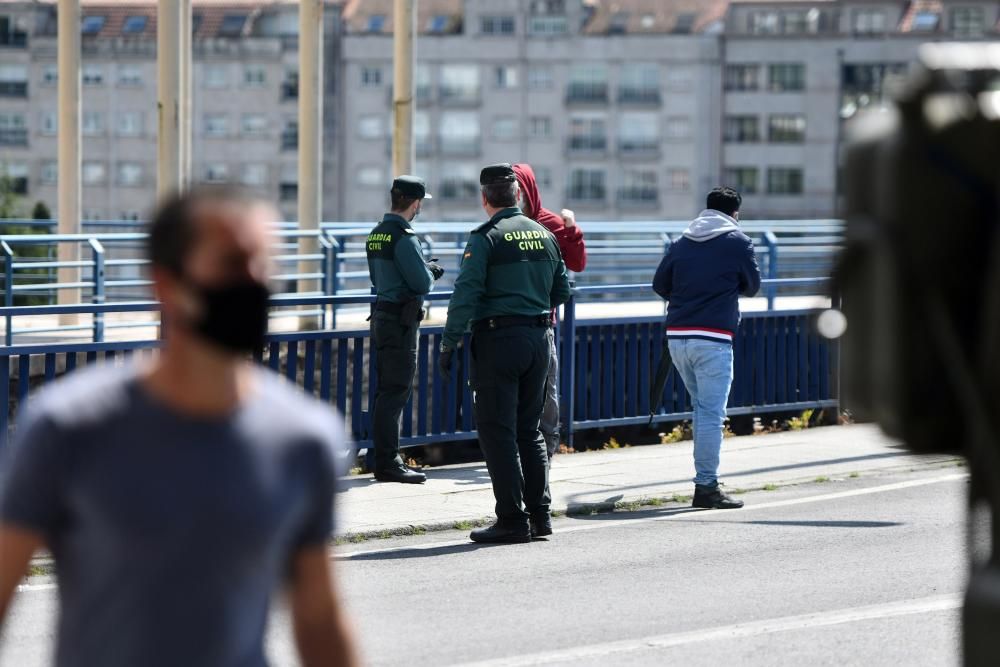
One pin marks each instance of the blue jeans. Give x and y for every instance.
(707, 370)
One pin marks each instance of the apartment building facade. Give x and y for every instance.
(244, 101)
(628, 109)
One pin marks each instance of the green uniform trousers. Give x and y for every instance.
(396, 361)
(508, 373)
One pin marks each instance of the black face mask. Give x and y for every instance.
(234, 316)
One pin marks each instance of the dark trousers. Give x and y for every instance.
(396, 361)
(508, 380)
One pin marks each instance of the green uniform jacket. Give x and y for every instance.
(511, 266)
(395, 262)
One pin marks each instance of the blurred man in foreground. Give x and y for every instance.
(176, 497)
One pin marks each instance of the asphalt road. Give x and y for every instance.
(850, 572)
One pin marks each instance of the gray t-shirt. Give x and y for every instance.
(170, 532)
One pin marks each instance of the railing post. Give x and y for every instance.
(97, 251)
(326, 265)
(568, 361)
(336, 268)
(8, 288)
(771, 241)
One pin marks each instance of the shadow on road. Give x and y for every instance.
(402, 554)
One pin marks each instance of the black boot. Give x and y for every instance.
(497, 534)
(541, 525)
(400, 473)
(712, 498)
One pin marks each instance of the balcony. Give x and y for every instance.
(288, 192)
(459, 147)
(14, 40)
(641, 149)
(16, 137)
(289, 90)
(459, 191)
(593, 146)
(639, 198)
(645, 97)
(587, 93)
(13, 88)
(592, 195)
(290, 140)
(459, 97)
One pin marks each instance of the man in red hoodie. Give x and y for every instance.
(570, 240)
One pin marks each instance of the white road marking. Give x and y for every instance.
(739, 630)
(700, 514)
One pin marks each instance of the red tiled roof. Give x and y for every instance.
(357, 12)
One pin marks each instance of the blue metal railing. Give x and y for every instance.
(780, 364)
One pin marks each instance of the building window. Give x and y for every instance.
(786, 77)
(786, 128)
(216, 172)
(216, 76)
(741, 129)
(678, 180)
(371, 77)
(547, 18)
(459, 132)
(10, 34)
(540, 78)
(505, 128)
(741, 179)
(290, 135)
(13, 81)
(588, 83)
(129, 75)
(925, 22)
(867, 85)
(92, 75)
(742, 78)
(92, 124)
(232, 25)
(765, 23)
(459, 182)
(784, 181)
(17, 175)
(371, 127)
(424, 83)
(254, 125)
(678, 128)
(290, 86)
(129, 123)
(129, 174)
(497, 25)
(587, 185)
(254, 77)
(967, 22)
(539, 127)
(50, 172)
(376, 23)
(13, 130)
(93, 173)
(638, 187)
(134, 25)
(50, 75)
(91, 25)
(422, 132)
(459, 83)
(638, 132)
(870, 22)
(505, 76)
(438, 24)
(543, 176)
(130, 215)
(371, 177)
(216, 125)
(640, 83)
(49, 123)
(587, 133)
(254, 174)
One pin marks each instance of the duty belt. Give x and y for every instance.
(493, 323)
(389, 307)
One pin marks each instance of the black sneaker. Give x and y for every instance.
(541, 525)
(497, 534)
(712, 498)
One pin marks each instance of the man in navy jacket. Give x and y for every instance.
(702, 276)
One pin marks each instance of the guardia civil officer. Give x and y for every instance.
(401, 278)
(512, 277)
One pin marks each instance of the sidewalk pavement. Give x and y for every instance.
(611, 478)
